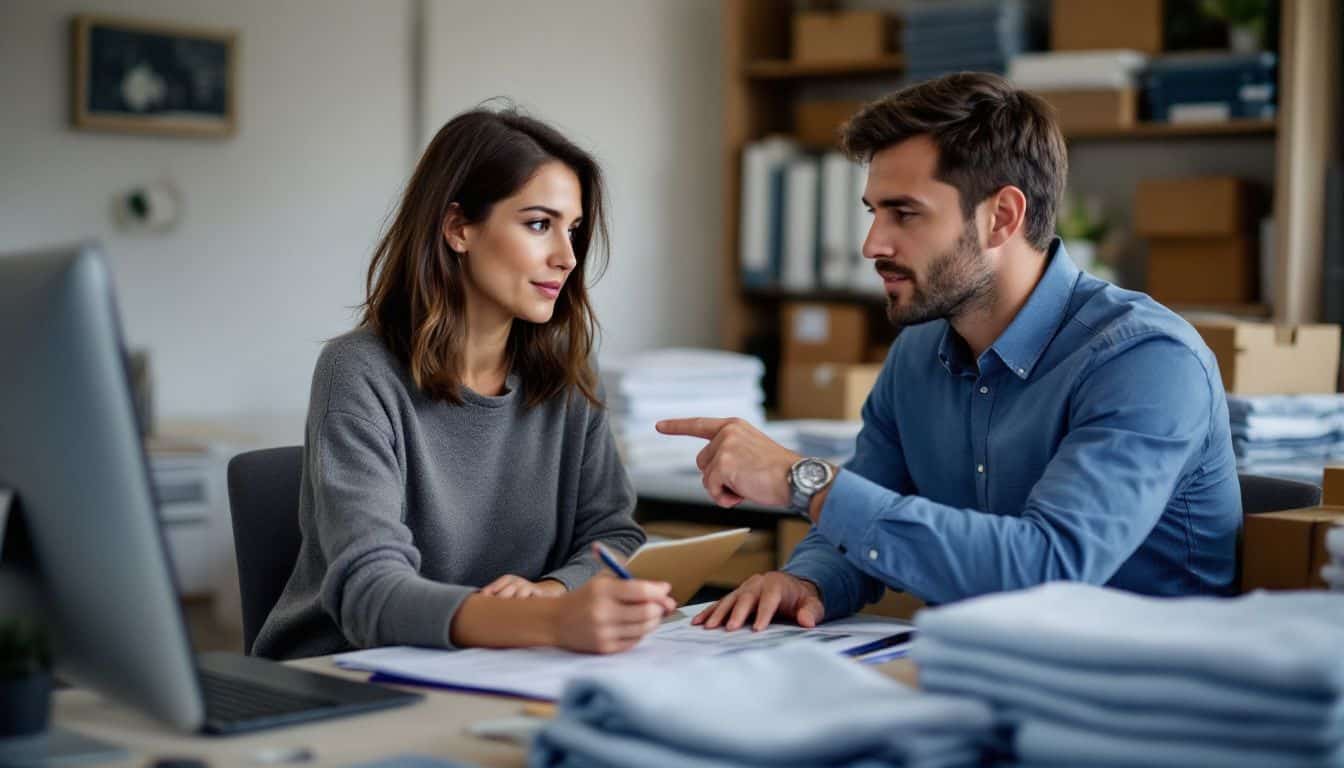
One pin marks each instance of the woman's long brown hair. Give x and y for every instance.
(416, 302)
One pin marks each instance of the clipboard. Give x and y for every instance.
(687, 563)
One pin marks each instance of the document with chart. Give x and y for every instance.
(541, 673)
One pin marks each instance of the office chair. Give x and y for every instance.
(264, 504)
(1260, 493)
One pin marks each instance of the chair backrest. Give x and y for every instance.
(1260, 493)
(264, 502)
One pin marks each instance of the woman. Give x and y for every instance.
(458, 464)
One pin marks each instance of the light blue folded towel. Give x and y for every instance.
(792, 706)
(1139, 702)
(1046, 742)
(1284, 641)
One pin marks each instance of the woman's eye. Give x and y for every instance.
(539, 225)
(572, 232)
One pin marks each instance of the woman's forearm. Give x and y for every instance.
(485, 621)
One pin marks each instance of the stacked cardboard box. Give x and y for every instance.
(824, 373)
(1286, 550)
(1202, 246)
(841, 35)
(1266, 359)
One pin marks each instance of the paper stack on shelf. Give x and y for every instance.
(1070, 70)
(645, 388)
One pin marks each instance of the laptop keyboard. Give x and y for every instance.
(229, 700)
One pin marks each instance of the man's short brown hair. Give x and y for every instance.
(989, 135)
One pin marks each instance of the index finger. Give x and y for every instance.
(696, 427)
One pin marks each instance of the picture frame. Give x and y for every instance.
(131, 76)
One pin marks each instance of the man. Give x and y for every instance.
(1031, 423)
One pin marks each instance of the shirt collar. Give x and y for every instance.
(1023, 342)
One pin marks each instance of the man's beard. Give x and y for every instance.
(958, 280)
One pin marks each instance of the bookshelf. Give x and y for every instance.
(761, 85)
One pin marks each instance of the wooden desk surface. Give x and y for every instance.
(435, 726)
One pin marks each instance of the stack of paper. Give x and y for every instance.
(1081, 70)
(1333, 572)
(1086, 675)
(797, 706)
(1291, 436)
(645, 388)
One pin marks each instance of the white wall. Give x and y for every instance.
(280, 219)
(636, 82)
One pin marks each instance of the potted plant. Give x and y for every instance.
(1081, 226)
(25, 678)
(1245, 21)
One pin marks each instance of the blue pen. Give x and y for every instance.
(612, 562)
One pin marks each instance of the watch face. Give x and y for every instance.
(812, 474)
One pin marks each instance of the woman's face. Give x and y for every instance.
(517, 260)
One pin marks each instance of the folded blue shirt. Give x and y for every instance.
(791, 706)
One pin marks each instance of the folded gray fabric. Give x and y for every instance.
(793, 706)
(1132, 701)
(1047, 742)
(1283, 641)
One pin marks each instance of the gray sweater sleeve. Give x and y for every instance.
(606, 505)
(372, 588)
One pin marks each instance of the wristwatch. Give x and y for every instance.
(806, 478)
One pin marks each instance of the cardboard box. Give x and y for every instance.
(817, 123)
(840, 35)
(1332, 489)
(825, 390)
(1204, 270)
(1080, 111)
(1267, 359)
(823, 333)
(1089, 25)
(1285, 550)
(1205, 206)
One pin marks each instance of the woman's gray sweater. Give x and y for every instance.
(408, 505)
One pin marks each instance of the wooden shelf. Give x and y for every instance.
(785, 69)
(1249, 311)
(1178, 131)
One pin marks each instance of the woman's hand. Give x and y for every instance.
(510, 585)
(608, 615)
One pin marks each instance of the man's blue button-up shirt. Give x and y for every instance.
(1089, 443)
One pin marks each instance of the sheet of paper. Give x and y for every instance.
(543, 672)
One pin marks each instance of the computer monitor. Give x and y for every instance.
(71, 452)
(83, 546)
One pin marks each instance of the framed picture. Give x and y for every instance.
(139, 77)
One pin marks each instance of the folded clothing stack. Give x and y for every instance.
(676, 383)
(1333, 572)
(798, 705)
(942, 36)
(1292, 436)
(1086, 675)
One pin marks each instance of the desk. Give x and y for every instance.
(435, 726)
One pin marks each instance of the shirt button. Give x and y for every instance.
(984, 390)
(1021, 371)
(980, 468)
(872, 554)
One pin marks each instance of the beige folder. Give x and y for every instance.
(685, 563)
